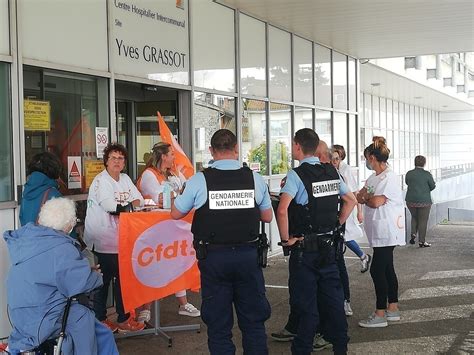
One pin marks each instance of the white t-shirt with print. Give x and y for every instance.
(385, 225)
(149, 184)
(353, 230)
(105, 193)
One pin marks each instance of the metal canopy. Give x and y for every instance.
(372, 28)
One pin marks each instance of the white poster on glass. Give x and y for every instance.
(150, 39)
(4, 28)
(74, 172)
(101, 140)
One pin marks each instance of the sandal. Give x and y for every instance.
(424, 245)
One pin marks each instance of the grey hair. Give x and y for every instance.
(58, 213)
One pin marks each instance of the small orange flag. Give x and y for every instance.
(181, 161)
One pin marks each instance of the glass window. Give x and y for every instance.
(254, 145)
(303, 118)
(71, 107)
(396, 145)
(280, 138)
(211, 113)
(367, 110)
(340, 80)
(6, 153)
(352, 85)
(279, 63)
(389, 114)
(402, 144)
(395, 114)
(407, 145)
(352, 146)
(323, 126)
(383, 113)
(340, 129)
(252, 56)
(413, 117)
(401, 114)
(213, 46)
(303, 70)
(375, 111)
(407, 117)
(322, 75)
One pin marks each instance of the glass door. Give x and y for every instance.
(147, 127)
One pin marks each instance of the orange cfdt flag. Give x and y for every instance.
(156, 257)
(182, 163)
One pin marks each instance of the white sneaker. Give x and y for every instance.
(348, 309)
(189, 310)
(144, 316)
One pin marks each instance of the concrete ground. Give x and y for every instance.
(436, 291)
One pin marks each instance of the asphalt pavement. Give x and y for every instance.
(436, 292)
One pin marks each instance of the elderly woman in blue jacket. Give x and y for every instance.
(46, 269)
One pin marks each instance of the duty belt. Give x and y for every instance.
(211, 245)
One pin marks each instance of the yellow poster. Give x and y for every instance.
(93, 167)
(37, 115)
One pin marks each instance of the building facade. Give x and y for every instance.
(75, 75)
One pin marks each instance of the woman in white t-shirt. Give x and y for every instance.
(110, 193)
(159, 170)
(385, 228)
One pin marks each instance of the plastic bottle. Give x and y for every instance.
(166, 196)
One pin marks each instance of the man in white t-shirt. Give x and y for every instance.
(110, 193)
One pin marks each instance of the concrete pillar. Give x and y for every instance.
(453, 70)
(439, 71)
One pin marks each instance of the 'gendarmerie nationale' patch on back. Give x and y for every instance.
(231, 199)
(326, 188)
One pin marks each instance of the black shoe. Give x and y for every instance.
(412, 239)
(424, 245)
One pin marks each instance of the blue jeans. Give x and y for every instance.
(352, 245)
(231, 276)
(312, 285)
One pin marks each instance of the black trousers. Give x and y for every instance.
(384, 276)
(110, 271)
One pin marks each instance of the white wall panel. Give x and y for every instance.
(68, 32)
(6, 222)
(4, 28)
(150, 39)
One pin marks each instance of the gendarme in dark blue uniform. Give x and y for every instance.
(314, 276)
(309, 209)
(229, 202)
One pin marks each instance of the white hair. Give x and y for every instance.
(58, 213)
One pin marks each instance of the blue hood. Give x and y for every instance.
(35, 188)
(32, 240)
(37, 184)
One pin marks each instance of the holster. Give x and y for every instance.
(200, 246)
(262, 250)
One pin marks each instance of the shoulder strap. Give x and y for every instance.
(43, 201)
